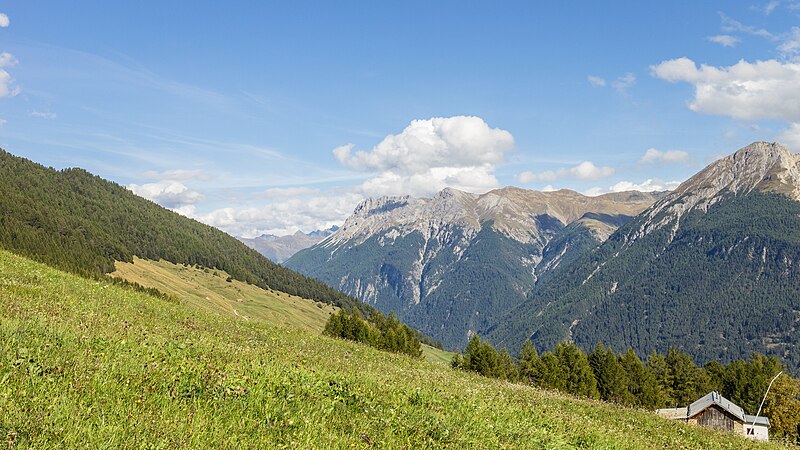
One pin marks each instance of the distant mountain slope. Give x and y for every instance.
(449, 265)
(280, 248)
(713, 268)
(77, 221)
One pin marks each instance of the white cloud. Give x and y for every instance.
(583, 171)
(3, 122)
(167, 193)
(7, 88)
(429, 155)
(4, 21)
(624, 82)
(596, 81)
(7, 60)
(653, 155)
(724, 40)
(746, 91)
(43, 114)
(648, 185)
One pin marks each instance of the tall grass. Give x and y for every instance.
(85, 364)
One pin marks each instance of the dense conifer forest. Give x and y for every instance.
(73, 220)
(723, 287)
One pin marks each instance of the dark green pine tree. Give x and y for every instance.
(527, 361)
(612, 382)
(578, 376)
(642, 385)
(548, 372)
(686, 381)
(507, 367)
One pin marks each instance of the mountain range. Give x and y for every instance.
(711, 268)
(452, 264)
(280, 248)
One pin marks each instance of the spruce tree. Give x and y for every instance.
(578, 376)
(527, 361)
(611, 379)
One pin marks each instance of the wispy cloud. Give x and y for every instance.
(43, 114)
(624, 82)
(7, 60)
(283, 193)
(724, 40)
(177, 175)
(4, 21)
(596, 81)
(731, 25)
(771, 6)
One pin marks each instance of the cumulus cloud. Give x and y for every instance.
(4, 21)
(167, 193)
(652, 156)
(284, 217)
(746, 91)
(648, 185)
(596, 81)
(583, 171)
(624, 82)
(429, 155)
(724, 40)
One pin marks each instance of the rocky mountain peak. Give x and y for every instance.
(761, 165)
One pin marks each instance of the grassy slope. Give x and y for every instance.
(85, 364)
(207, 290)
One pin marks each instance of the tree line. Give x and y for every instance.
(660, 381)
(379, 331)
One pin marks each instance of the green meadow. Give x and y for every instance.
(88, 364)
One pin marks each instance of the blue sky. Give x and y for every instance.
(272, 117)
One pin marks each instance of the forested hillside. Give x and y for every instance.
(722, 287)
(77, 221)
